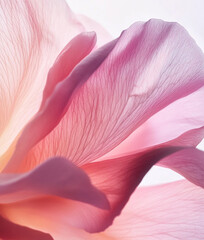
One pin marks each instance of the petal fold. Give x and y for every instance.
(55, 177)
(116, 178)
(11, 231)
(32, 36)
(50, 115)
(102, 35)
(71, 55)
(128, 172)
(169, 211)
(189, 163)
(152, 65)
(182, 116)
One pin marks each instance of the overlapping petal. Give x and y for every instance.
(184, 115)
(55, 177)
(55, 107)
(128, 172)
(102, 35)
(32, 35)
(170, 211)
(89, 106)
(117, 179)
(152, 65)
(67, 60)
(189, 164)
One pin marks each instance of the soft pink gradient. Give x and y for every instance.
(169, 211)
(182, 116)
(138, 98)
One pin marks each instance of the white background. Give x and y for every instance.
(116, 15)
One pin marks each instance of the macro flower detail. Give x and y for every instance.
(84, 117)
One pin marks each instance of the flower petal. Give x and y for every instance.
(152, 65)
(11, 231)
(56, 177)
(54, 109)
(189, 163)
(127, 171)
(53, 215)
(181, 116)
(102, 35)
(32, 35)
(67, 60)
(169, 211)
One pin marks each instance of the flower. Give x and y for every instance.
(83, 122)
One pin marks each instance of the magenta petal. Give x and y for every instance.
(149, 68)
(152, 65)
(12, 231)
(56, 177)
(118, 178)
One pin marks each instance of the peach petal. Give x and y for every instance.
(32, 35)
(11, 231)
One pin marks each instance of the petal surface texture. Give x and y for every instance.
(43, 213)
(184, 115)
(55, 107)
(152, 65)
(170, 211)
(67, 60)
(32, 35)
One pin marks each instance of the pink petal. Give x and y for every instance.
(119, 177)
(54, 109)
(190, 138)
(11, 231)
(32, 35)
(183, 115)
(189, 163)
(67, 60)
(152, 65)
(127, 171)
(170, 211)
(102, 35)
(55, 177)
